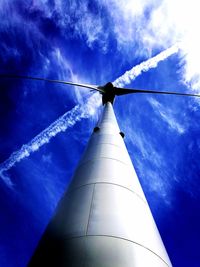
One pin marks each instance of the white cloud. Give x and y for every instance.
(156, 182)
(151, 165)
(167, 116)
(67, 120)
(128, 16)
(47, 158)
(84, 23)
(65, 73)
(130, 75)
(178, 21)
(144, 145)
(149, 24)
(157, 24)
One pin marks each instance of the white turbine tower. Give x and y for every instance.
(103, 220)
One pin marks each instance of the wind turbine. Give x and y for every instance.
(103, 220)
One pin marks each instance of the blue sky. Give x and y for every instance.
(96, 42)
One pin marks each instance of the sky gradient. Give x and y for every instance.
(94, 42)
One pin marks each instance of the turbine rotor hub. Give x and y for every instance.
(109, 93)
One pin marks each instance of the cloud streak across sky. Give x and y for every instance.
(67, 120)
(167, 116)
(77, 113)
(130, 75)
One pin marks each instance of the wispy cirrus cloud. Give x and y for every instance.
(133, 25)
(167, 116)
(150, 63)
(67, 120)
(180, 23)
(150, 162)
(157, 25)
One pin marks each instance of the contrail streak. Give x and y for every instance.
(67, 120)
(130, 75)
(79, 112)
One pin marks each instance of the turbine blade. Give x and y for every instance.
(10, 76)
(123, 91)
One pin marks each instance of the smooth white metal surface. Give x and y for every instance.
(104, 219)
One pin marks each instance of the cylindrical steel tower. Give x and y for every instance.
(103, 220)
